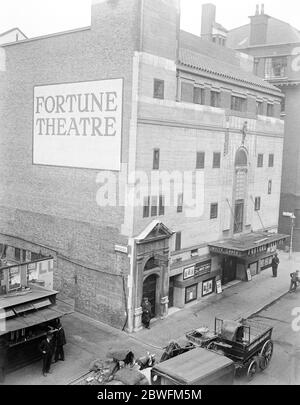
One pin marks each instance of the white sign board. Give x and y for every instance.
(78, 124)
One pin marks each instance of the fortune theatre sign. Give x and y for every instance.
(78, 124)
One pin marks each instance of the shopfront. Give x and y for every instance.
(245, 257)
(193, 280)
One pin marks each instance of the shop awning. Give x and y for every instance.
(30, 319)
(248, 245)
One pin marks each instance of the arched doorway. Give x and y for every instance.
(149, 291)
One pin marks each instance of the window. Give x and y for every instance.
(239, 216)
(198, 95)
(161, 208)
(217, 160)
(159, 89)
(180, 202)
(271, 160)
(200, 162)
(191, 293)
(257, 204)
(157, 206)
(146, 210)
(194, 252)
(259, 108)
(260, 160)
(215, 99)
(187, 92)
(270, 110)
(241, 158)
(18, 254)
(23, 255)
(275, 67)
(156, 159)
(214, 211)
(178, 241)
(153, 206)
(14, 278)
(270, 187)
(208, 287)
(238, 103)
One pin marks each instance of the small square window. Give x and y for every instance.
(270, 110)
(259, 108)
(257, 204)
(18, 254)
(271, 160)
(198, 95)
(159, 89)
(156, 153)
(217, 160)
(146, 209)
(154, 206)
(161, 208)
(270, 187)
(214, 211)
(215, 99)
(180, 202)
(178, 241)
(200, 162)
(260, 160)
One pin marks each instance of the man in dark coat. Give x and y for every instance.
(60, 340)
(146, 315)
(46, 348)
(275, 262)
(295, 278)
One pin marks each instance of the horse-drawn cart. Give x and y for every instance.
(248, 343)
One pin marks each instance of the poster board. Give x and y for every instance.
(249, 276)
(219, 287)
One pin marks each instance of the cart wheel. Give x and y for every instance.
(211, 346)
(252, 370)
(266, 353)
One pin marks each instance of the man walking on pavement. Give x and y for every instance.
(275, 262)
(295, 278)
(60, 342)
(46, 348)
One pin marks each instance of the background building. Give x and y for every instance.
(275, 45)
(188, 106)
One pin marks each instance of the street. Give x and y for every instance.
(88, 340)
(284, 368)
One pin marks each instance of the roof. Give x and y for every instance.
(35, 293)
(223, 70)
(196, 364)
(11, 30)
(279, 32)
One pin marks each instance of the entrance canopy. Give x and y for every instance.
(247, 245)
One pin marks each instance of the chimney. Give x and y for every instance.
(207, 21)
(259, 27)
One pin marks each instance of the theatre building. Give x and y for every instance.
(134, 155)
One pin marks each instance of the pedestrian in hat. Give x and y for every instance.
(60, 340)
(295, 278)
(275, 263)
(46, 348)
(146, 315)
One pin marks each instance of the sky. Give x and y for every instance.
(41, 17)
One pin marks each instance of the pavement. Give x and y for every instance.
(89, 339)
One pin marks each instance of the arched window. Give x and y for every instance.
(241, 158)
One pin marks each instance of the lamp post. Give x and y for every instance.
(292, 216)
